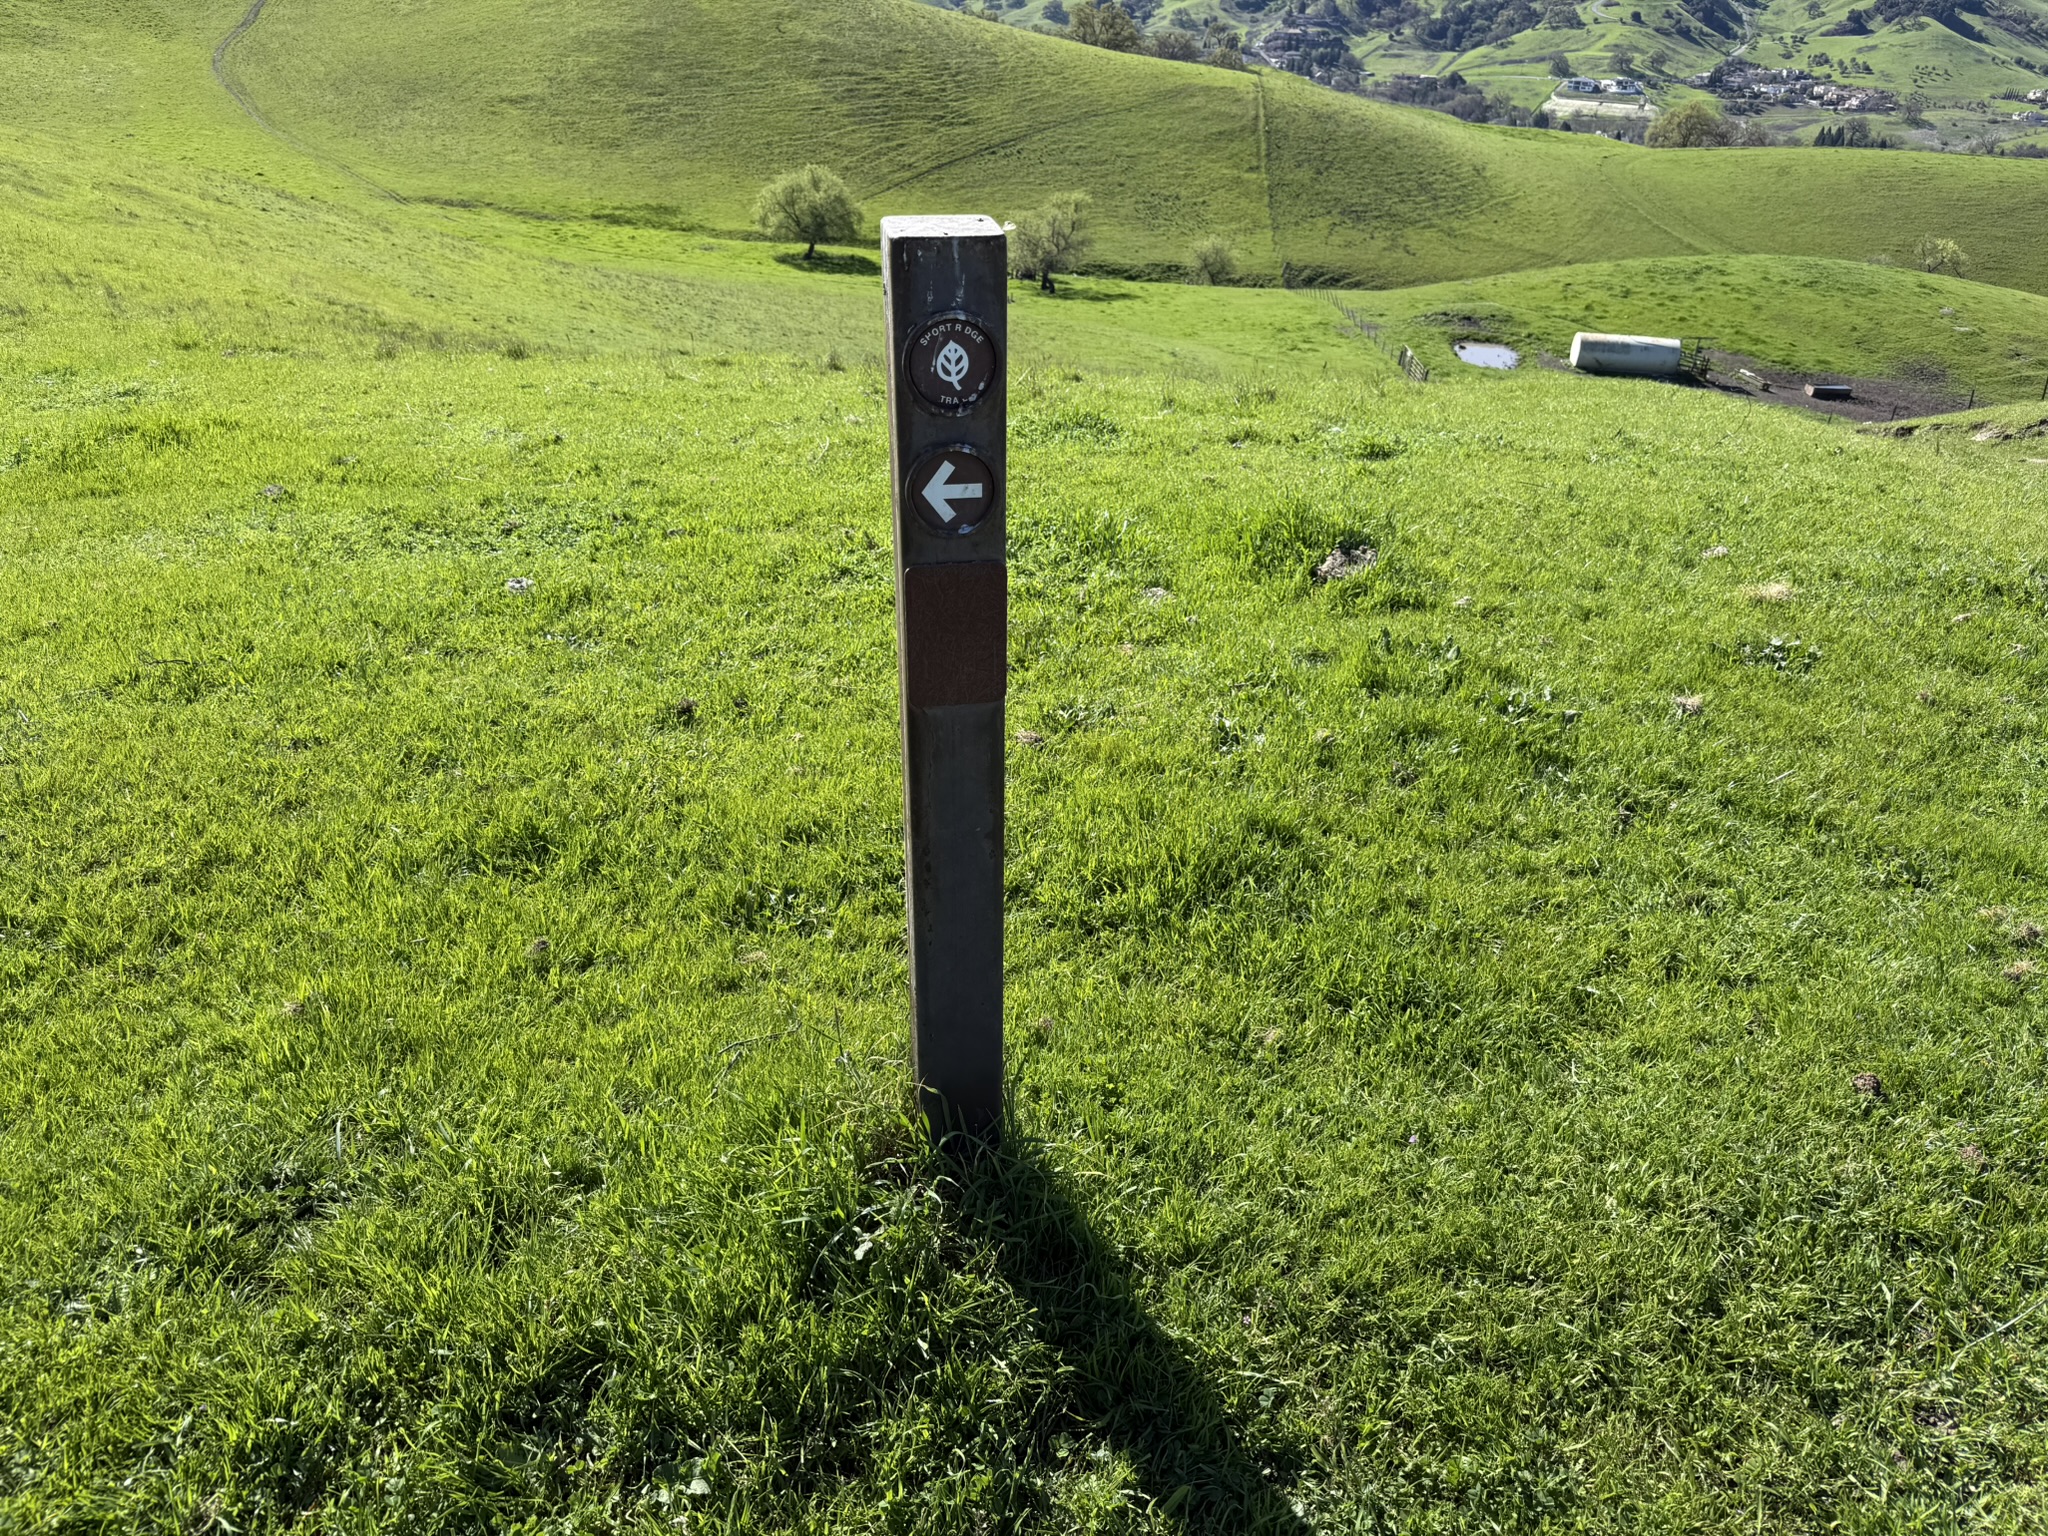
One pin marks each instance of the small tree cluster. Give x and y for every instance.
(1105, 24)
(1853, 132)
(1114, 24)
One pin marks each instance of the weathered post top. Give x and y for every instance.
(945, 291)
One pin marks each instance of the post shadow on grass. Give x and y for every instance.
(1128, 1380)
(838, 263)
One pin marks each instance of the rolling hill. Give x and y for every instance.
(1541, 1035)
(677, 112)
(671, 116)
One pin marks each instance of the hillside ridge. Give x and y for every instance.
(678, 114)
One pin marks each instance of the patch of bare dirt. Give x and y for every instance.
(1878, 400)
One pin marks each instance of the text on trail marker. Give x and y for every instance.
(951, 363)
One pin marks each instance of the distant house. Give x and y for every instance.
(2034, 119)
(2037, 95)
(1622, 87)
(1580, 85)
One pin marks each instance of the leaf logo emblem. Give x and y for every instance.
(952, 363)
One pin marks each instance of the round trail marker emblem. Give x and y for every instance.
(952, 362)
(953, 490)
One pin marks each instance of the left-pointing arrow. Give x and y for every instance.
(942, 491)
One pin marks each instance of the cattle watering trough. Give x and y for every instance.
(1643, 357)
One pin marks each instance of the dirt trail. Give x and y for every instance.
(247, 103)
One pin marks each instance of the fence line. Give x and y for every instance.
(1404, 358)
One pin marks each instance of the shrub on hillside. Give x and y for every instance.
(1696, 125)
(1212, 262)
(810, 204)
(1050, 239)
(1935, 253)
(1181, 47)
(1223, 47)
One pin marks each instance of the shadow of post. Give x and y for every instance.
(1128, 1381)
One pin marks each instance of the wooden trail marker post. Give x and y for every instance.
(946, 292)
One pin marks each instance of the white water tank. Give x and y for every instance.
(1653, 357)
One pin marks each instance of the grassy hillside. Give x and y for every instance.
(1977, 56)
(151, 258)
(681, 111)
(674, 116)
(1434, 1046)
(1800, 315)
(1542, 1034)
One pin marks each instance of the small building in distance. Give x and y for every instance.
(1579, 85)
(1623, 87)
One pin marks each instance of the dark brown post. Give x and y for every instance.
(945, 287)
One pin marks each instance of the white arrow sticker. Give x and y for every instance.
(941, 492)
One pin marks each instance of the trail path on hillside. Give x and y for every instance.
(247, 103)
(1266, 174)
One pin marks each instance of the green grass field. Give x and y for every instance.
(1543, 1035)
(1432, 1047)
